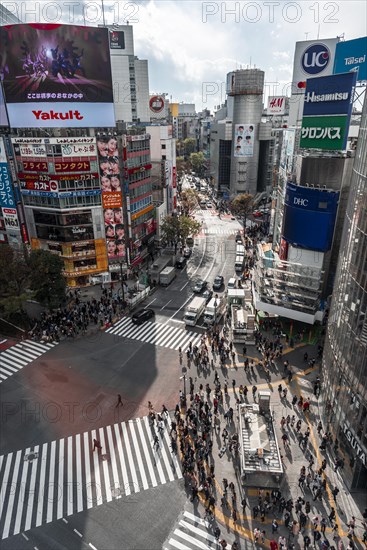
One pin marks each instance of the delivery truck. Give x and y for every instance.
(214, 311)
(167, 275)
(194, 311)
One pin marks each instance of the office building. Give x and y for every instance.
(344, 369)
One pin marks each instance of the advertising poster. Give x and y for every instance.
(117, 40)
(330, 95)
(276, 105)
(56, 75)
(328, 133)
(6, 189)
(244, 137)
(111, 196)
(3, 116)
(351, 55)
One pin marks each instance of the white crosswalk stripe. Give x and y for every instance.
(20, 355)
(191, 533)
(155, 333)
(211, 211)
(220, 231)
(48, 482)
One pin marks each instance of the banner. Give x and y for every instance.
(324, 132)
(244, 136)
(351, 55)
(330, 95)
(56, 75)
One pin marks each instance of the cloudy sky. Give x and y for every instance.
(191, 45)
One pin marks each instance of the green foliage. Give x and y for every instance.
(14, 274)
(189, 199)
(46, 278)
(197, 161)
(178, 228)
(242, 205)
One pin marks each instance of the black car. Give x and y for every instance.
(142, 315)
(207, 294)
(200, 286)
(218, 281)
(181, 262)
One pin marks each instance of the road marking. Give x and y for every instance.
(93, 547)
(97, 473)
(24, 536)
(31, 491)
(166, 305)
(65, 520)
(51, 483)
(185, 285)
(150, 303)
(77, 532)
(88, 471)
(61, 479)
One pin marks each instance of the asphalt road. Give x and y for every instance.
(72, 390)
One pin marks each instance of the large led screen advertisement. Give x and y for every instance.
(56, 76)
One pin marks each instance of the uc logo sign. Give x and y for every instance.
(315, 59)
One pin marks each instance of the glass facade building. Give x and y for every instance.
(345, 353)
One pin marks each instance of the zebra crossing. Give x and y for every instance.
(16, 357)
(155, 333)
(217, 231)
(47, 482)
(211, 211)
(190, 533)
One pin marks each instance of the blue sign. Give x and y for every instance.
(330, 95)
(6, 189)
(315, 59)
(62, 194)
(309, 217)
(352, 56)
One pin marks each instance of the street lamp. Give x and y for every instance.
(122, 283)
(184, 388)
(215, 309)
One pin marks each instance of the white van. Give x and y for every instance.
(231, 283)
(238, 265)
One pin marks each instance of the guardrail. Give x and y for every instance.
(140, 296)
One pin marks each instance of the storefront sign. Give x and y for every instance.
(30, 166)
(50, 185)
(80, 150)
(112, 200)
(324, 132)
(354, 443)
(83, 166)
(33, 150)
(6, 190)
(11, 218)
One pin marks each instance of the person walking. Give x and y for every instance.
(119, 401)
(96, 445)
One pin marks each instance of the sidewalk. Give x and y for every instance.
(228, 466)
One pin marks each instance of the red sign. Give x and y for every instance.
(112, 199)
(156, 103)
(30, 166)
(48, 186)
(83, 166)
(174, 177)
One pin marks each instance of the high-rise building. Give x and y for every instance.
(345, 354)
(246, 86)
(7, 17)
(129, 76)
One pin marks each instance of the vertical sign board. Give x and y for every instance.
(351, 55)
(56, 76)
(7, 199)
(111, 197)
(327, 110)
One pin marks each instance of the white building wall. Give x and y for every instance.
(121, 87)
(142, 89)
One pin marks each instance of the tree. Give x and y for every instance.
(242, 205)
(182, 166)
(46, 278)
(188, 201)
(197, 161)
(189, 145)
(176, 229)
(14, 274)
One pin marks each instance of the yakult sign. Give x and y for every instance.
(56, 76)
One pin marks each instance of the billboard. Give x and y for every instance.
(312, 58)
(330, 95)
(111, 197)
(244, 137)
(324, 132)
(156, 103)
(3, 115)
(117, 40)
(309, 217)
(56, 76)
(351, 55)
(7, 199)
(276, 105)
